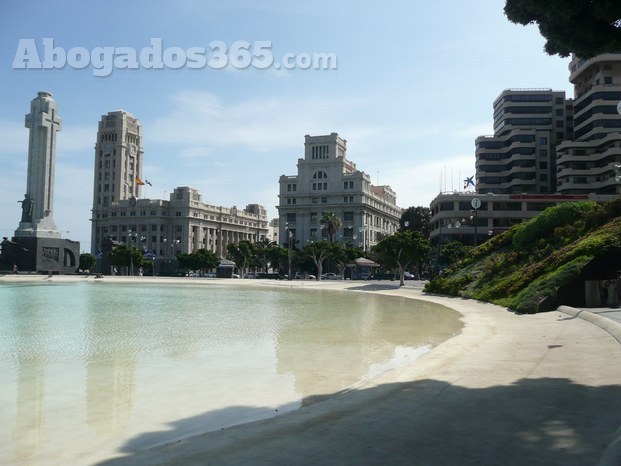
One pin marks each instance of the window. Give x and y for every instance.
(348, 216)
(319, 175)
(291, 217)
(543, 140)
(313, 217)
(315, 200)
(324, 200)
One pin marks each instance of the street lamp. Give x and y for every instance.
(362, 231)
(131, 252)
(289, 239)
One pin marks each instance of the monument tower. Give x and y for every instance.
(37, 245)
(37, 206)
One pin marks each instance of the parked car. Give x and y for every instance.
(303, 276)
(210, 274)
(330, 276)
(249, 275)
(408, 276)
(234, 276)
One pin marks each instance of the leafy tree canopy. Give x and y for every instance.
(583, 27)
(87, 261)
(418, 219)
(331, 223)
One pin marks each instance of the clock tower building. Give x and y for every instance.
(118, 163)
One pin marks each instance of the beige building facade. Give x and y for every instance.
(181, 224)
(327, 181)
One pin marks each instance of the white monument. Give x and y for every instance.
(37, 206)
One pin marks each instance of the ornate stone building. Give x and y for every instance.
(328, 182)
(181, 224)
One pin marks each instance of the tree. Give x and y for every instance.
(265, 254)
(453, 251)
(125, 256)
(418, 219)
(87, 261)
(331, 223)
(205, 260)
(344, 253)
(318, 252)
(401, 249)
(583, 27)
(241, 253)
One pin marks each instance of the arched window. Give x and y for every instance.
(319, 175)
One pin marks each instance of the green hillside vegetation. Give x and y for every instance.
(530, 262)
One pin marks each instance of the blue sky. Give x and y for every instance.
(413, 87)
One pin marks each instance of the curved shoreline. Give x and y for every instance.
(508, 389)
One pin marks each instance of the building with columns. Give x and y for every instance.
(167, 227)
(328, 182)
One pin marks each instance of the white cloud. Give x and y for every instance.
(416, 183)
(199, 118)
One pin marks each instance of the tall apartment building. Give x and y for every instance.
(521, 155)
(181, 224)
(585, 164)
(328, 182)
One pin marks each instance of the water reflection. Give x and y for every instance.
(85, 366)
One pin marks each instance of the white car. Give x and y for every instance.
(330, 276)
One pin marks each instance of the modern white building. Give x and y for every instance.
(586, 163)
(521, 155)
(181, 224)
(328, 182)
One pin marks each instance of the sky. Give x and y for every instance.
(412, 87)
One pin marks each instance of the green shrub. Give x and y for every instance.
(543, 225)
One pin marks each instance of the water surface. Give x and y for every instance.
(86, 368)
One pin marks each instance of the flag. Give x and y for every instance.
(468, 181)
(148, 182)
(139, 182)
(99, 253)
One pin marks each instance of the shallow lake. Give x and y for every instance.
(91, 370)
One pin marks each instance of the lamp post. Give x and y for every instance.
(362, 231)
(131, 235)
(476, 203)
(289, 238)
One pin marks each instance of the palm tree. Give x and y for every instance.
(332, 223)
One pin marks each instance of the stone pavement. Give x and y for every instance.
(510, 389)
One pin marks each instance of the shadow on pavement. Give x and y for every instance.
(533, 421)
